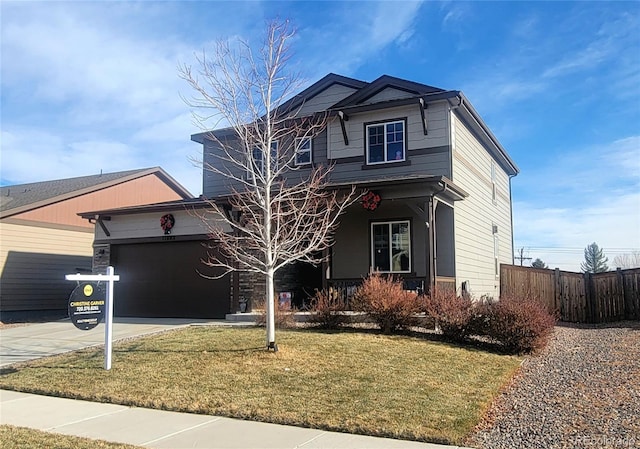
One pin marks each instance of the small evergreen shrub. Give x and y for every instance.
(455, 316)
(327, 308)
(520, 325)
(386, 302)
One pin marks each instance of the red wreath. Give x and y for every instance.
(371, 201)
(167, 222)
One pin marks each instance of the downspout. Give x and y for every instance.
(452, 108)
(511, 213)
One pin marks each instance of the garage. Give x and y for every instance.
(161, 280)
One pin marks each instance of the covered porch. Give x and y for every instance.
(403, 228)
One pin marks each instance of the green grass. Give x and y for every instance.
(21, 438)
(393, 386)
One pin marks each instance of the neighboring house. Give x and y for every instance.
(42, 238)
(443, 180)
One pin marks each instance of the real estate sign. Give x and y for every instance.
(87, 305)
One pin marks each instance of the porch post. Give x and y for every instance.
(431, 233)
(326, 267)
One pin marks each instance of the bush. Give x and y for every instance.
(387, 303)
(284, 318)
(521, 325)
(455, 316)
(327, 307)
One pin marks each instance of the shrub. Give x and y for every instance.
(521, 325)
(386, 303)
(327, 307)
(455, 316)
(284, 318)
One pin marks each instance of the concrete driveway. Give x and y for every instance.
(33, 341)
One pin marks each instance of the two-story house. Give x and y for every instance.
(439, 204)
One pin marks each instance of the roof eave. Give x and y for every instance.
(445, 183)
(427, 98)
(468, 108)
(170, 181)
(187, 203)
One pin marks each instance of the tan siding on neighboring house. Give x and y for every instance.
(475, 216)
(145, 190)
(33, 262)
(147, 225)
(437, 136)
(325, 99)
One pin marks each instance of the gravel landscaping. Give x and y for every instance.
(582, 391)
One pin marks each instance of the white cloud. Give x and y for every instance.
(590, 194)
(177, 128)
(456, 13)
(30, 155)
(389, 23)
(579, 174)
(613, 222)
(344, 44)
(592, 56)
(76, 56)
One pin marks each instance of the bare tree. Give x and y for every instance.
(627, 260)
(277, 213)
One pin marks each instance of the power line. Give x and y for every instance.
(521, 258)
(568, 250)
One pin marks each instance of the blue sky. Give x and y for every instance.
(91, 86)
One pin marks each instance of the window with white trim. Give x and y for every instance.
(257, 159)
(391, 246)
(386, 142)
(304, 154)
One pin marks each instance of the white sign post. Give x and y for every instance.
(110, 278)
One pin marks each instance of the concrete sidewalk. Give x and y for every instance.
(160, 429)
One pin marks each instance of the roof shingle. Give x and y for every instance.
(21, 196)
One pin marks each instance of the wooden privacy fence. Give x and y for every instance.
(577, 297)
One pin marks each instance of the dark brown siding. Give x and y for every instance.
(161, 280)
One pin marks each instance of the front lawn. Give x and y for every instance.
(21, 438)
(359, 382)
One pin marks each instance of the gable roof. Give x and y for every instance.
(318, 87)
(378, 85)
(295, 102)
(23, 197)
(421, 93)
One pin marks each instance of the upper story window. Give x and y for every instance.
(304, 154)
(391, 247)
(386, 142)
(258, 159)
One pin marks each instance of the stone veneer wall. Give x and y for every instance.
(101, 258)
(251, 286)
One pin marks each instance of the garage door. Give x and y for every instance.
(161, 280)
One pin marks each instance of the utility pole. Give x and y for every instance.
(521, 257)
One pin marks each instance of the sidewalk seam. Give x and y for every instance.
(180, 431)
(89, 418)
(309, 441)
